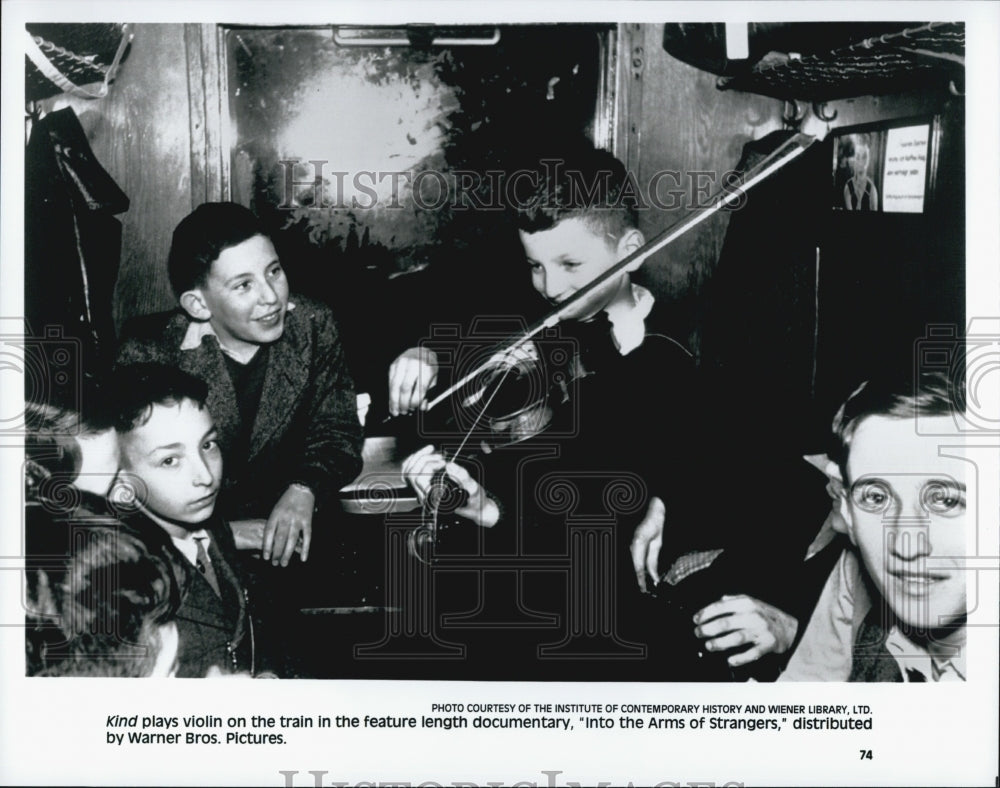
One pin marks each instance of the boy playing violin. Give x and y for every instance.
(577, 222)
(632, 382)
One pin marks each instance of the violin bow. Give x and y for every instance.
(782, 155)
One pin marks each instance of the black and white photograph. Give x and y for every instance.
(552, 396)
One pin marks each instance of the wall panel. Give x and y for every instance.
(688, 126)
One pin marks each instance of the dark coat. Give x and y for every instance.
(306, 429)
(871, 660)
(72, 245)
(214, 631)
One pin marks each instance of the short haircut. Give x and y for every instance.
(904, 396)
(98, 613)
(202, 236)
(581, 182)
(138, 387)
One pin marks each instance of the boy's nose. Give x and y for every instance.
(554, 287)
(909, 537)
(203, 476)
(268, 295)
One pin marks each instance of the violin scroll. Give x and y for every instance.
(444, 496)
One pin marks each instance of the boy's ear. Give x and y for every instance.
(632, 239)
(845, 520)
(840, 516)
(194, 304)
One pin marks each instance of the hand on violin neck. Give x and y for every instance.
(411, 376)
(449, 487)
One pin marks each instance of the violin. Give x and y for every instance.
(486, 389)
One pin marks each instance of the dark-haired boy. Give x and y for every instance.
(894, 607)
(171, 454)
(278, 385)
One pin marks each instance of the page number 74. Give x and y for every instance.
(866, 755)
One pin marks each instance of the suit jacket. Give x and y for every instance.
(872, 661)
(214, 630)
(306, 429)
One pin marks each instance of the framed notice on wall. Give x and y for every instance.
(885, 167)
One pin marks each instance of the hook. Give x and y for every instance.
(33, 111)
(798, 113)
(819, 110)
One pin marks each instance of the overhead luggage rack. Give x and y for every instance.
(913, 58)
(73, 55)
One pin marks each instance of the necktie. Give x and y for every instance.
(205, 565)
(915, 675)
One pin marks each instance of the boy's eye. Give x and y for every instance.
(276, 271)
(210, 445)
(872, 496)
(943, 498)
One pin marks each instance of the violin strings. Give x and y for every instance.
(475, 421)
(437, 504)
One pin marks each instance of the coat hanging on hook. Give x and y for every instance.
(72, 239)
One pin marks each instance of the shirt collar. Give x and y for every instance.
(188, 546)
(628, 320)
(910, 655)
(199, 329)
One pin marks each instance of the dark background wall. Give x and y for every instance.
(684, 124)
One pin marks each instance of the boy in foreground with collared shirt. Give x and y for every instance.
(170, 453)
(894, 607)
